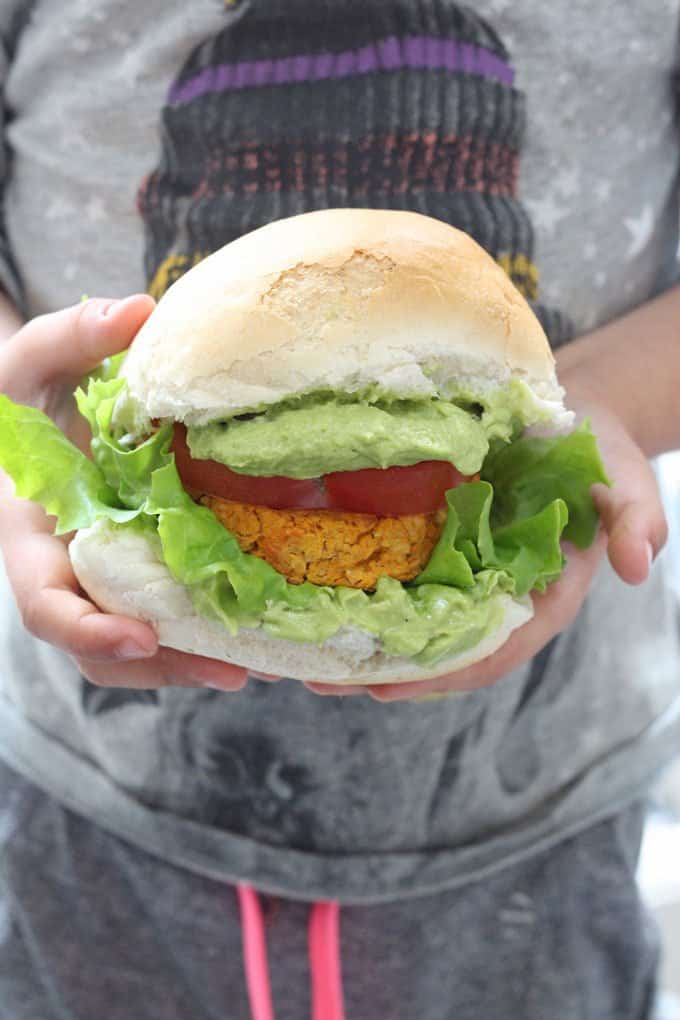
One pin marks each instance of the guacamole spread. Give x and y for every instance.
(319, 433)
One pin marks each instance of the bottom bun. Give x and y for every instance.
(121, 571)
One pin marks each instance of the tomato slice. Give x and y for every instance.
(418, 489)
(384, 492)
(214, 479)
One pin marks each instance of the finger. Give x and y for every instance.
(49, 599)
(553, 611)
(336, 690)
(631, 548)
(48, 595)
(65, 345)
(631, 511)
(168, 668)
(268, 678)
(72, 623)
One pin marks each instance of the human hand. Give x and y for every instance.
(633, 530)
(41, 365)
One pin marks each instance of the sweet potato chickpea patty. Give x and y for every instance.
(332, 548)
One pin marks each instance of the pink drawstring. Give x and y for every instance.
(324, 962)
(255, 954)
(324, 958)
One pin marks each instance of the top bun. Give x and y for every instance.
(341, 299)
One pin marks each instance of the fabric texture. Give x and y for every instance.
(193, 123)
(87, 920)
(12, 24)
(410, 108)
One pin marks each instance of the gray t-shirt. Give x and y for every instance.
(344, 797)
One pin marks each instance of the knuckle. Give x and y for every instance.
(169, 670)
(662, 534)
(31, 610)
(94, 674)
(83, 319)
(86, 671)
(171, 676)
(81, 315)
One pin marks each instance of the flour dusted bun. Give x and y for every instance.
(122, 572)
(342, 299)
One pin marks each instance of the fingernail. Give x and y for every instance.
(214, 686)
(650, 554)
(119, 303)
(129, 649)
(337, 690)
(263, 676)
(382, 697)
(116, 304)
(218, 678)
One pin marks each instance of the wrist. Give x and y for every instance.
(631, 368)
(589, 396)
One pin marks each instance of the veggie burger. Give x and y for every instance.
(337, 450)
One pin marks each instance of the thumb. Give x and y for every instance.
(63, 346)
(631, 511)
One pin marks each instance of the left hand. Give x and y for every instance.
(633, 530)
(41, 365)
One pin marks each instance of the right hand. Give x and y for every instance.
(42, 365)
(633, 530)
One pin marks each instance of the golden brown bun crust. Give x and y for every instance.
(341, 299)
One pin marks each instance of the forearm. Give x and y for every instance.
(633, 366)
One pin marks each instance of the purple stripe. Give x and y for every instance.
(417, 52)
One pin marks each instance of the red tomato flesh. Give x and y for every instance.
(418, 489)
(384, 492)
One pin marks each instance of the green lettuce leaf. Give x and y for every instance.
(528, 474)
(50, 470)
(534, 492)
(127, 469)
(528, 549)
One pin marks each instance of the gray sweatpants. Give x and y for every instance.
(91, 927)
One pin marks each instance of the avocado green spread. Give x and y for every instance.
(423, 623)
(320, 433)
